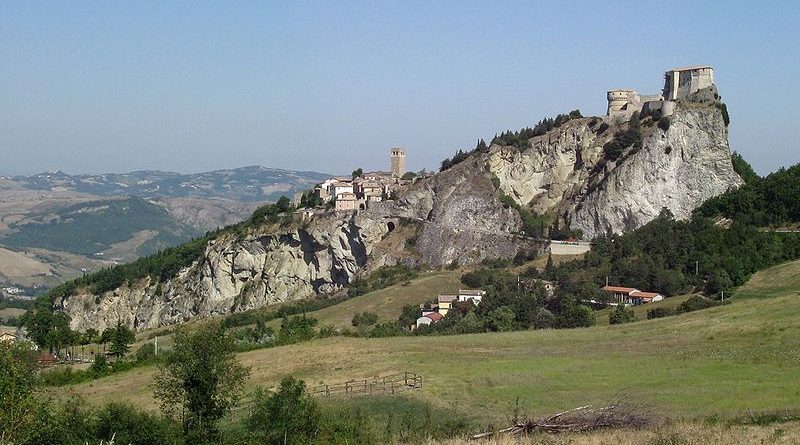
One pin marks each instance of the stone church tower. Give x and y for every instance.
(398, 162)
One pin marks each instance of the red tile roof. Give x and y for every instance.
(644, 295)
(620, 289)
(435, 316)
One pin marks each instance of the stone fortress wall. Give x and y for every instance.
(679, 83)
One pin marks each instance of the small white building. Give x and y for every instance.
(632, 296)
(474, 295)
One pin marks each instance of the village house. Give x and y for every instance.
(631, 296)
(346, 202)
(427, 319)
(473, 295)
(445, 303)
(8, 337)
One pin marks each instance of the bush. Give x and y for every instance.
(146, 353)
(284, 417)
(659, 312)
(364, 319)
(100, 365)
(695, 303)
(621, 314)
(127, 425)
(663, 123)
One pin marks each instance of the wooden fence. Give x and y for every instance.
(390, 384)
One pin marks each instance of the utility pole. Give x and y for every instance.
(156, 348)
(606, 280)
(697, 267)
(723, 296)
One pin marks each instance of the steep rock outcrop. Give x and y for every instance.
(565, 174)
(239, 274)
(457, 216)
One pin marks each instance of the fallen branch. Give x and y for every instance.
(581, 419)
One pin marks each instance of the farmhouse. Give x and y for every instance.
(630, 295)
(8, 337)
(445, 303)
(431, 317)
(473, 295)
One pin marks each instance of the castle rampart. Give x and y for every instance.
(679, 83)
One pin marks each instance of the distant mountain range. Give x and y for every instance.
(246, 184)
(53, 225)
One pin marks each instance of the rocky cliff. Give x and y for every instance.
(454, 216)
(566, 174)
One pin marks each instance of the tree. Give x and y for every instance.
(409, 175)
(121, 338)
(200, 380)
(502, 319)
(364, 319)
(283, 204)
(357, 173)
(17, 390)
(285, 417)
(622, 314)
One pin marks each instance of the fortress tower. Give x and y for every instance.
(398, 162)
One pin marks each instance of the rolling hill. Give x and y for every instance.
(721, 361)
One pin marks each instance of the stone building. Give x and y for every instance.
(398, 162)
(679, 83)
(346, 202)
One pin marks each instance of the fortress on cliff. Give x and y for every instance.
(679, 83)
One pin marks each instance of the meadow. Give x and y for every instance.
(718, 362)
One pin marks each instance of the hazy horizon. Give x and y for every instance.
(98, 88)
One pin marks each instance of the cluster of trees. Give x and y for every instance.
(508, 138)
(673, 257)
(462, 155)
(50, 330)
(631, 136)
(770, 201)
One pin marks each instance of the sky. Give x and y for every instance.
(94, 87)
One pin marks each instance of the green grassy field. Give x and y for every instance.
(389, 302)
(721, 361)
(641, 310)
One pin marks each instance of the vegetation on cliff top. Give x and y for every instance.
(519, 139)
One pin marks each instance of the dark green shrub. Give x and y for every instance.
(695, 303)
(127, 425)
(621, 314)
(146, 353)
(663, 123)
(286, 416)
(659, 312)
(364, 319)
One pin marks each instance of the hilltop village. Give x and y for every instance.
(361, 189)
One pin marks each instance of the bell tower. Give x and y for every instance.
(398, 162)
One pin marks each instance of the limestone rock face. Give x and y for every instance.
(564, 172)
(456, 216)
(239, 274)
(677, 169)
(462, 218)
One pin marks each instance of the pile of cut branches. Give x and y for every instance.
(581, 419)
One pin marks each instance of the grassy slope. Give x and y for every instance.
(389, 302)
(720, 361)
(641, 311)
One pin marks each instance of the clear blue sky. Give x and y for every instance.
(330, 86)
